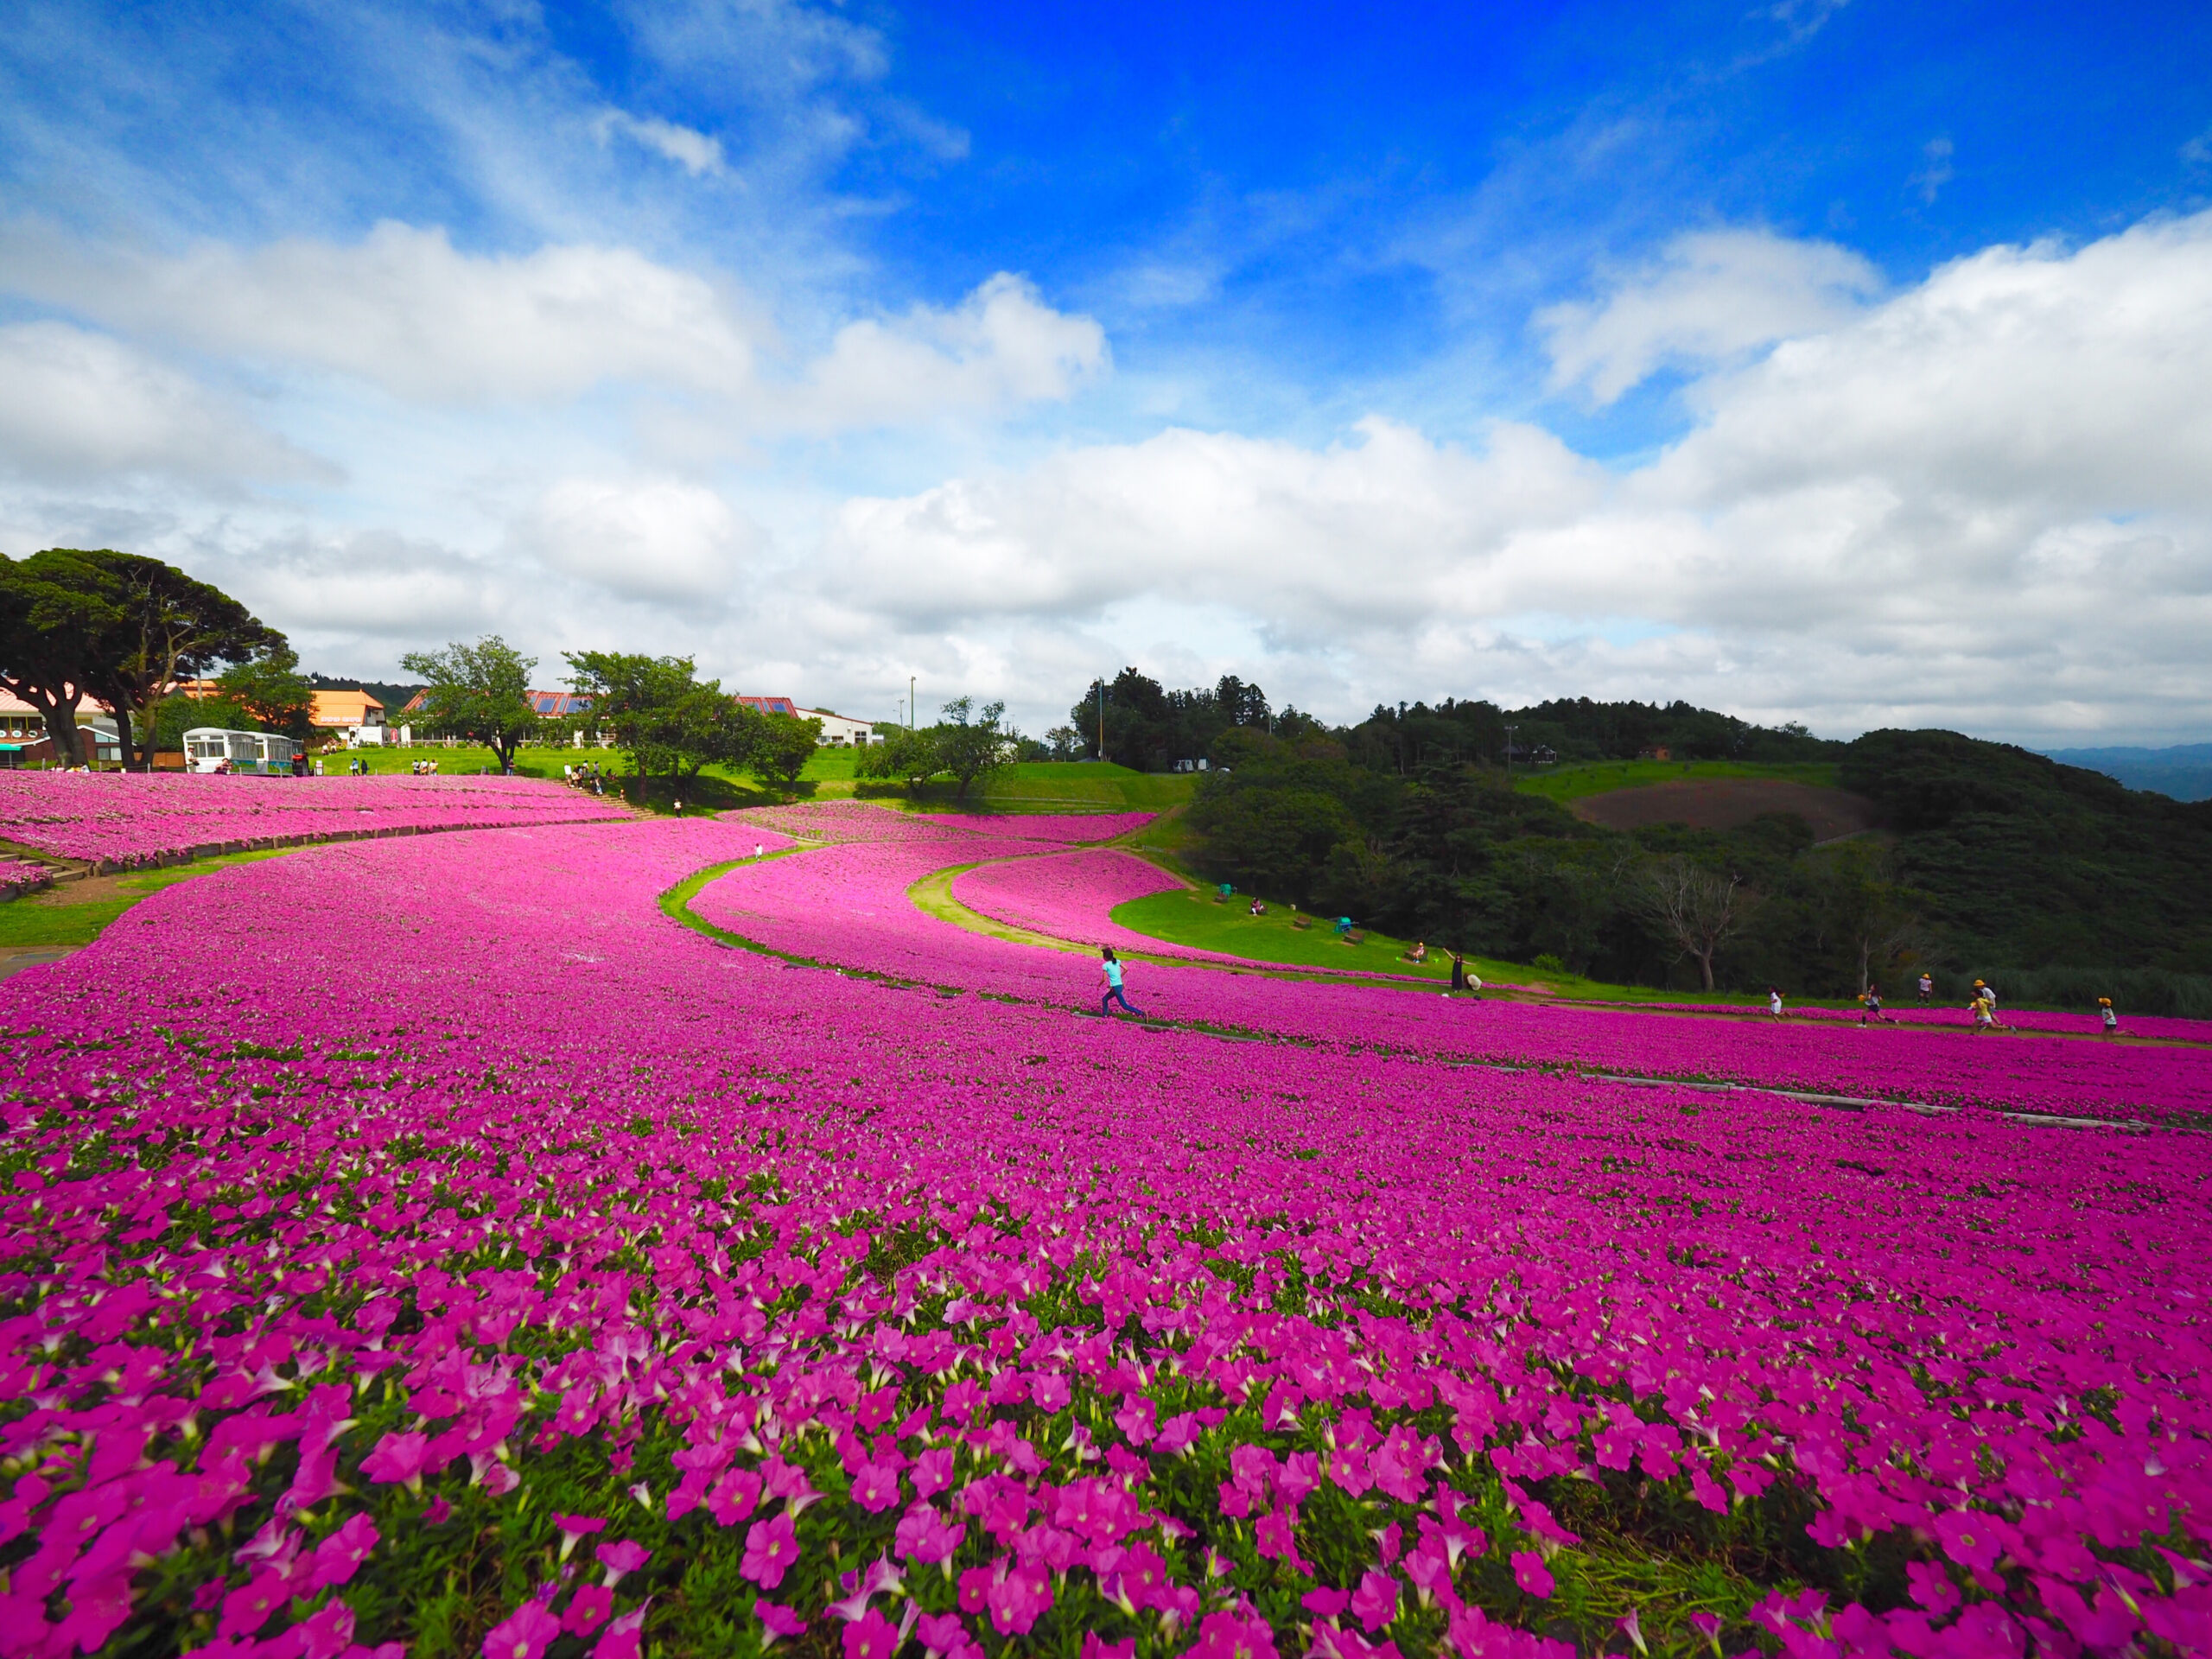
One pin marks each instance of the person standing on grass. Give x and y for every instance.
(1110, 966)
(1926, 988)
(1774, 1000)
(2111, 1020)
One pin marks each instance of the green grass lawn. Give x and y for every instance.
(1194, 919)
(1064, 786)
(1580, 779)
(1047, 786)
(63, 917)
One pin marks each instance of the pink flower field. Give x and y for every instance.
(432, 1245)
(842, 821)
(116, 820)
(1911, 1014)
(1069, 895)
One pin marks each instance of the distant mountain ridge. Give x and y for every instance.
(2183, 773)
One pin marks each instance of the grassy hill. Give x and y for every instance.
(1575, 781)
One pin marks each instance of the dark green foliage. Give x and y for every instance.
(1582, 730)
(395, 695)
(971, 742)
(177, 714)
(781, 745)
(271, 691)
(913, 757)
(2027, 862)
(1149, 730)
(1993, 857)
(670, 722)
(120, 626)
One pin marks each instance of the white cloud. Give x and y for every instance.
(1002, 345)
(695, 152)
(391, 587)
(1987, 501)
(409, 313)
(405, 310)
(1936, 170)
(1711, 296)
(1369, 531)
(75, 405)
(652, 539)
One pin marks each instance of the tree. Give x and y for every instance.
(971, 744)
(1064, 743)
(479, 692)
(181, 712)
(153, 625)
(911, 755)
(670, 722)
(1697, 909)
(1859, 908)
(782, 745)
(49, 613)
(121, 627)
(271, 691)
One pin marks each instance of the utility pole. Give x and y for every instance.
(910, 703)
(1101, 719)
(1510, 730)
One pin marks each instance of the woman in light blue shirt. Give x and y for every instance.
(1111, 968)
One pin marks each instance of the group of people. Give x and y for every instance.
(1982, 1006)
(590, 778)
(1464, 981)
(422, 768)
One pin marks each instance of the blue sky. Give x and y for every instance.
(1823, 361)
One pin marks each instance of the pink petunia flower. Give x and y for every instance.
(771, 1549)
(1531, 1574)
(524, 1634)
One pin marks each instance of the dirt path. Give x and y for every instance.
(14, 962)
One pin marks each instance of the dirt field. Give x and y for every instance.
(1724, 802)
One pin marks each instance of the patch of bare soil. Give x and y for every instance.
(1730, 803)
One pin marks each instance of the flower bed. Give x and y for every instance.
(2163, 1026)
(21, 875)
(1068, 895)
(558, 1277)
(116, 820)
(846, 821)
(847, 905)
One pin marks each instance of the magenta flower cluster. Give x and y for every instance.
(124, 818)
(2164, 1027)
(841, 821)
(21, 875)
(1071, 896)
(395, 1194)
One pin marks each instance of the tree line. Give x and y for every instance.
(2052, 881)
(127, 631)
(671, 723)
